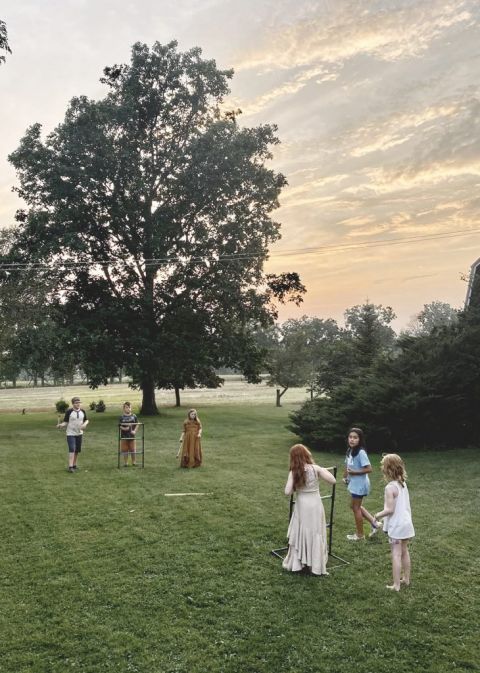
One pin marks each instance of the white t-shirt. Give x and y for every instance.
(74, 418)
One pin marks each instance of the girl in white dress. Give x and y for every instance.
(397, 518)
(307, 532)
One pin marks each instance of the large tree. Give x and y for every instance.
(157, 206)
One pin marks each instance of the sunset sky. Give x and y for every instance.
(378, 110)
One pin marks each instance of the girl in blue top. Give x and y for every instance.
(357, 469)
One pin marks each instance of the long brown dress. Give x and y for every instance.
(191, 455)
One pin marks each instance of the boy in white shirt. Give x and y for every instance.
(75, 420)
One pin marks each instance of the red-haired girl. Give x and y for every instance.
(307, 532)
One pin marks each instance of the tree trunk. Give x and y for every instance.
(149, 406)
(120, 375)
(279, 395)
(177, 396)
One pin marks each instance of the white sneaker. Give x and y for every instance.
(355, 537)
(376, 528)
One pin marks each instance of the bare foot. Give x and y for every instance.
(404, 581)
(392, 587)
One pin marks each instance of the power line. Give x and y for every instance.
(323, 249)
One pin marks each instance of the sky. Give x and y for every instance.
(377, 105)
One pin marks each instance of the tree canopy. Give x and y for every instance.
(155, 209)
(4, 46)
(433, 315)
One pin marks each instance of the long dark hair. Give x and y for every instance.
(361, 444)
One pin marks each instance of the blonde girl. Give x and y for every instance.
(397, 517)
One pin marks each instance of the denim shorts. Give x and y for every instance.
(74, 443)
(355, 495)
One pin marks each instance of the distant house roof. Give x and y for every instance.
(473, 291)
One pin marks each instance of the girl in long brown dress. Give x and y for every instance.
(191, 447)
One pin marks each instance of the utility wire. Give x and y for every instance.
(323, 249)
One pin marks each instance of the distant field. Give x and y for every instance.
(100, 572)
(234, 391)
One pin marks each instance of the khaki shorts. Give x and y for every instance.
(128, 446)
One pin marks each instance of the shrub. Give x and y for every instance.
(93, 406)
(61, 406)
(100, 406)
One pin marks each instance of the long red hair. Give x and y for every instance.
(299, 457)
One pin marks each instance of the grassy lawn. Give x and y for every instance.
(101, 572)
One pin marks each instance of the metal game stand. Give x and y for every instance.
(140, 442)
(280, 553)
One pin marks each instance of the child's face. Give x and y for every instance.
(127, 409)
(76, 404)
(353, 440)
(193, 415)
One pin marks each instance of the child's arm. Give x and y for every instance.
(389, 503)
(361, 470)
(326, 475)
(66, 417)
(289, 485)
(84, 425)
(365, 468)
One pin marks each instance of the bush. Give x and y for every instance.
(93, 406)
(61, 406)
(425, 396)
(100, 406)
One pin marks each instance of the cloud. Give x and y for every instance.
(289, 88)
(357, 28)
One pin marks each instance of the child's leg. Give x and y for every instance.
(124, 449)
(78, 448)
(396, 547)
(366, 515)
(133, 452)
(357, 513)
(406, 564)
(71, 451)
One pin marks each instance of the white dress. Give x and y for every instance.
(399, 525)
(307, 531)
